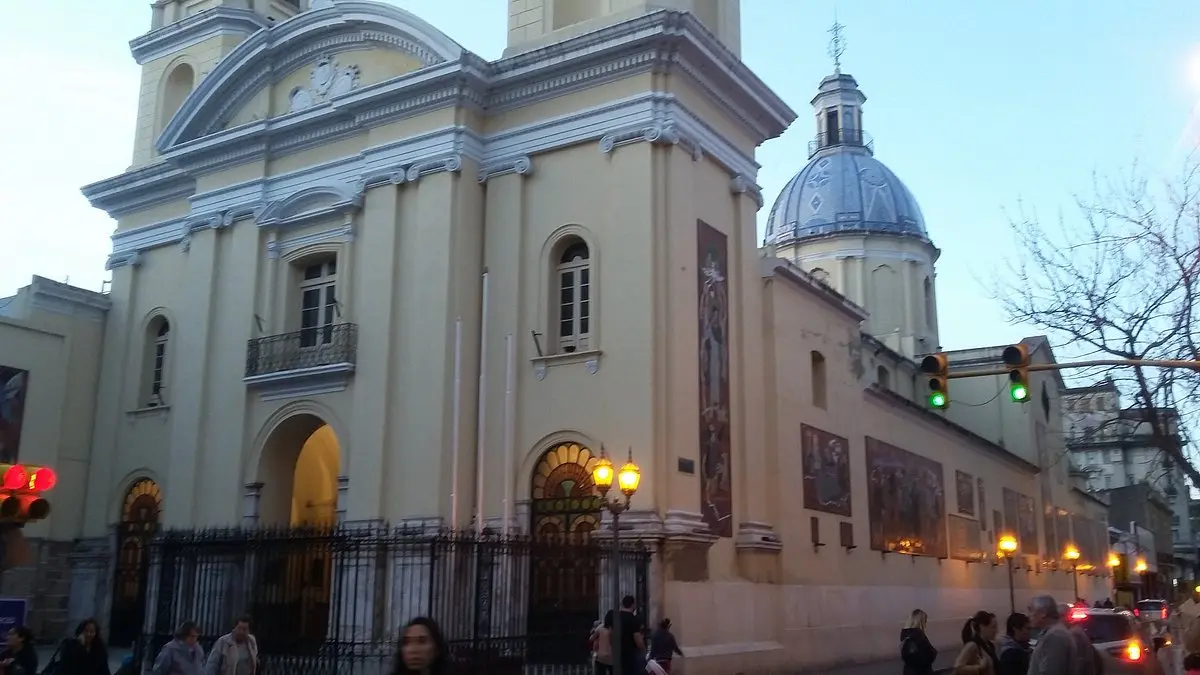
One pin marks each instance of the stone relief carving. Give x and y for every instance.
(327, 80)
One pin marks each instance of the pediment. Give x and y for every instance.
(312, 202)
(300, 63)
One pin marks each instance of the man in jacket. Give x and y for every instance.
(1056, 652)
(235, 653)
(1012, 649)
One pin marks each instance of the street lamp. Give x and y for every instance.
(1141, 566)
(1114, 561)
(1072, 554)
(627, 480)
(1008, 548)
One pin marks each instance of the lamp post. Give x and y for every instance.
(628, 479)
(1072, 554)
(1008, 548)
(1141, 567)
(1113, 562)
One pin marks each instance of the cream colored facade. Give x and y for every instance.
(54, 332)
(338, 294)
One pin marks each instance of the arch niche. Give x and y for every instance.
(564, 567)
(298, 470)
(141, 511)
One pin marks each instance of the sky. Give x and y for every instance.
(977, 107)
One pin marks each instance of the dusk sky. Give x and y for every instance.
(975, 107)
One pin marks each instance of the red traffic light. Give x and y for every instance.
(43, 478)
(16, 478)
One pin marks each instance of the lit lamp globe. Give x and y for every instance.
(1114, 560)
(629, 477)
(1007, 544)
(1071, 553)
(1141, 566)
(602, 473)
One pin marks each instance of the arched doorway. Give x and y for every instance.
(298, 469)
(141, 510)
(565, 565)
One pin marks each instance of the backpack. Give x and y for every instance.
(909, 649)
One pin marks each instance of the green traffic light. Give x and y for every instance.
(937, 400)
(1018, 392)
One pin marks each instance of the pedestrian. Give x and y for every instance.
(183, 655)
(978, 655)
(916, 651)
(602, 647)
(235, 653)
(18, 656)
(663, 646)
(1013, 649)
(1056, 652)
(86, 654)
(422, 649)
(631, 636)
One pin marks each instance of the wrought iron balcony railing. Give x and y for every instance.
(842, 137)
(306, 348)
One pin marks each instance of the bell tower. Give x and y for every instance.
(186, 39)
(533, 24)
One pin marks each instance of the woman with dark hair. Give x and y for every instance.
(18, 656)
(86, 654)
(978, 655)
(422, 649)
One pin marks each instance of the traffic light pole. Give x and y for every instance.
(1037, 367)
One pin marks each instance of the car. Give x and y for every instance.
(1121, 641)
(1152, 610)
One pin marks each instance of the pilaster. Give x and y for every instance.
(377, 250)
(251, 505)
(343, 496)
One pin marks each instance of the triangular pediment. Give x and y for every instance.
(311, 58)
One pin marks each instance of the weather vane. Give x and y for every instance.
(837, 45)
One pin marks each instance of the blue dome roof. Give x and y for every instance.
(844, 189)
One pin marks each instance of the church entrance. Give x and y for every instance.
(565, 562)
(140, 513)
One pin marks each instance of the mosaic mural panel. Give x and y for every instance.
(14, 382)
(1020, 518)
(906, 501)
(716, 491)
(982, 504)
(964, 487)
(825, 460)
(966, 541)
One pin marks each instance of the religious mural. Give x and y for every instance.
(906, 501)
(1053, 542)
(964, 486)
(982, 504)
(1021, 520)
(716, 493)
(13, 384)
(1062, 527)
(826, 466)
(965, 539)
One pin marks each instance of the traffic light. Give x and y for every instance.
(937, 367)
(21, 488)
(1016, 357)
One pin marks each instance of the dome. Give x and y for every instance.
(844, 189)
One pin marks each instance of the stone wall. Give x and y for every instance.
(45, 581)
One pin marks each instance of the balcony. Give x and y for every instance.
(854, 138)
(305, 362)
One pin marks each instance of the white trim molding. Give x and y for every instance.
(521, 165)
(195, 29)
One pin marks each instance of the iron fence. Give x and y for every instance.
(326, 345)
(333, 601)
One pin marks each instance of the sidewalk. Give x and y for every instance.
(944, 663)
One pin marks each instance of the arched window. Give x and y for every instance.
(818, 379)
(319, 309)
(927, 292)
(883, 378)
(175, 91)
(158, 347)
(573, 281)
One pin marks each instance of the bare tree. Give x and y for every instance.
(1121, 280)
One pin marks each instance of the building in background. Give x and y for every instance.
(51, 337)
(1139, 509)
(1113, 447)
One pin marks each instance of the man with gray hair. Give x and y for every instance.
(1056, 652)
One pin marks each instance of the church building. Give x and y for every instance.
(364, 278)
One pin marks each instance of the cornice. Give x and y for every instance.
(195, 29)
